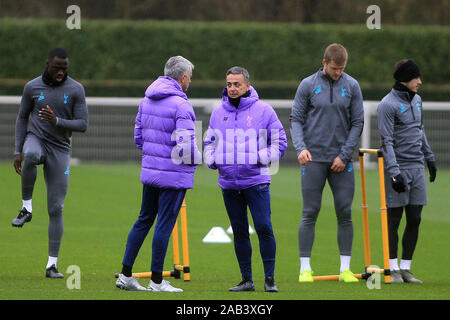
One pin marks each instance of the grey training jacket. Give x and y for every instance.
(327, 117)
(67, 101)
(403, 138)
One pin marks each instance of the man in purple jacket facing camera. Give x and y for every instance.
(164, 131)
(244, 137)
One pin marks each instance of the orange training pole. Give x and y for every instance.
(364, 211)
(335, 277)
(149, 274)
(176, 248)
(384, 224)
(184, 236)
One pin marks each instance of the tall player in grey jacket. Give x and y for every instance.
(326, 122)
(405, 148)
(52, 106)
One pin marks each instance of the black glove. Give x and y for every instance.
(432, 170)
(398, 183)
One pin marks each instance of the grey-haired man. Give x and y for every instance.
(165, 132)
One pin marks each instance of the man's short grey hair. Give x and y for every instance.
(177, 66)
(240, 70)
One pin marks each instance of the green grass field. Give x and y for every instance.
(103, 202)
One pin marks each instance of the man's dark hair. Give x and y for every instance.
(57, 52)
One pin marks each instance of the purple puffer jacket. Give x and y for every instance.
(164, 131)
(241, 142)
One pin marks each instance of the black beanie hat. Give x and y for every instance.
(407, 71)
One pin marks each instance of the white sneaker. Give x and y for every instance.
(164, 286)
(129, 283)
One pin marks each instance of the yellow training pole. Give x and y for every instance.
(372, 151)
(374, 270)
(335, 277)
(149, 274)
(384, 223)
(176, 248)
(184, 236)
(364, 211)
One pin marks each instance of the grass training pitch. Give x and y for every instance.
(103, 202)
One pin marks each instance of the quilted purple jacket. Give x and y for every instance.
(242, 142)
(164, 131)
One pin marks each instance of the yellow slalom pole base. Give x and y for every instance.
(184, 242)
(149, 274)
(335, 277)
(375, 270)
(173, 273)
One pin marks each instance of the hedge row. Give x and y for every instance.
(110, 49)
(213, 89)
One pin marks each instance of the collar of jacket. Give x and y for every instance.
(236, 101)
(326, 77)
(245, 102)
(48, 80)
(403, 91)
(164, 87)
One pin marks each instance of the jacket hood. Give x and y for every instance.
(245, 102)
(164, 87)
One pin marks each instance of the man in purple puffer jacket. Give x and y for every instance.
(164, 131)
(243, 139)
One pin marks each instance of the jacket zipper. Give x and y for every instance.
(331, 91)
(235, 148)
(412, 111)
